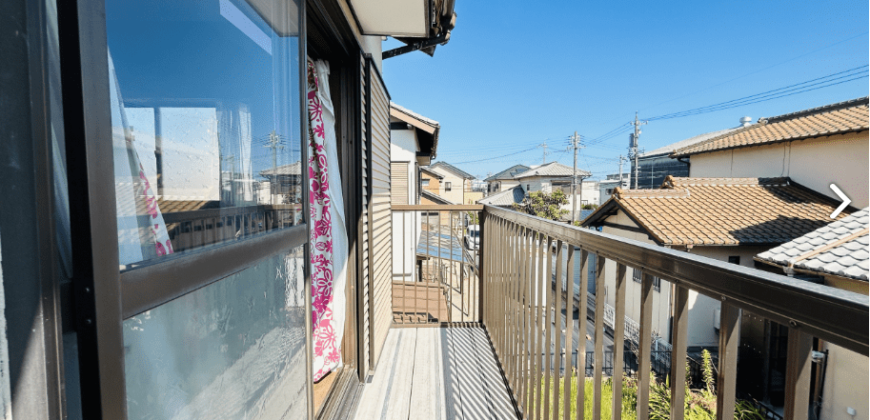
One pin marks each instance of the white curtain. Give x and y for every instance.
(142, 232)
(329, 234)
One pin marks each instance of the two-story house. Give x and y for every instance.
(815, 147)
(504, 180)
(455, 184)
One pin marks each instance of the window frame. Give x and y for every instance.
(448, 186)
(104, 295)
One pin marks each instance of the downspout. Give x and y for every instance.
(688, 164)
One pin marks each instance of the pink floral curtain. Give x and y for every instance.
(328, 231)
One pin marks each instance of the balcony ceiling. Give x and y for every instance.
(405, 18)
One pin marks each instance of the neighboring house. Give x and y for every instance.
(413, 142)
(505, 199)
(607, 187)
(836, 254)
(556, 176)
(455, 183)
(816, 147)
(729, 219)
(656, 165)
(282, 186)
(505, 179)
(430, 180)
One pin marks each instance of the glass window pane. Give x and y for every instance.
(234, 349)
(206, 121)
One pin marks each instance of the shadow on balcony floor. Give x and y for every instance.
(436, 373)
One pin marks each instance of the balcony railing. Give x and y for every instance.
(510, 288)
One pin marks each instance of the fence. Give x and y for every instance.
(520, 302)
(435, 275)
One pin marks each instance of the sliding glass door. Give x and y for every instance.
(197, 301)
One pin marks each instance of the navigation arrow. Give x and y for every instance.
(843, 197)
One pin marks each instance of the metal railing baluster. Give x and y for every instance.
(557, 315)
(582, 293)
(678, 351)
(644, 342)
(729, 342)
(618, 340)
(569, 329)
(548, 324)
(599, 337)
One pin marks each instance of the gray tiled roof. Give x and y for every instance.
(514, 195)
(849, 259)
(508, 173)
(687, 142)
(553, 169)
(453, 169)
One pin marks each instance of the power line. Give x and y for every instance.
(497, 157)
(802, 87)
(829, 80)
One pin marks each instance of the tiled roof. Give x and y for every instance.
(431, 172)
(840, 118)
(453, 169)
(553, 169)
(428, 121)
(509, 197)
(722, 211)
(839, 248)
(435, 198)
(508, 173)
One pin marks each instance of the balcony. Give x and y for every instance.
(489, 332)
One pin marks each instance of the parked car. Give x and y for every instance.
(472, 237)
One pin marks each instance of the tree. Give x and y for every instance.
(548, 206)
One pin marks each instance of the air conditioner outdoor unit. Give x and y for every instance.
(717, 318)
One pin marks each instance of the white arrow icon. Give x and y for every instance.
(843, 197)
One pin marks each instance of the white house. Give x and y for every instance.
(413, 142)
(504, 180)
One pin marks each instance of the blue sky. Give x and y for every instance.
(514, 76)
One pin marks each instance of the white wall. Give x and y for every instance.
(702, 309)
(406, 225)
(661, 299)
(815, 164)
(373, 46)
(455, 194)
(846, 384)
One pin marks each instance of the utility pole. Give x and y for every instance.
(622, 159)
(633, 154)
(275, 143)
(575, 142)
(544, 145)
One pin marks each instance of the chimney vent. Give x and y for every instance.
(746, 121)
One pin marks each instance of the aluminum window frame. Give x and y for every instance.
(104, 295)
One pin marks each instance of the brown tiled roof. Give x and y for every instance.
(722, 211)
(840, 118)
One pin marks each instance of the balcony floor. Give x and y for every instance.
(436, 373)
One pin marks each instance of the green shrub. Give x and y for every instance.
(700, 404)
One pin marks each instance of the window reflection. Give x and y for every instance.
(206, 129)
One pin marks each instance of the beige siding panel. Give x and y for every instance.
(380, 232)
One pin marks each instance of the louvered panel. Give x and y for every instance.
(399, 186)
(365, 242)
(380, 220)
